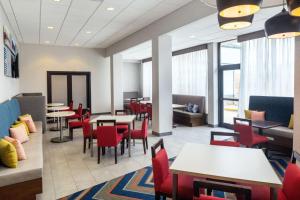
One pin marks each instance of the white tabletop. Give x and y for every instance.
(55, 104)
(241, 165)
(118, 118)
(58, 108)
(60, 114)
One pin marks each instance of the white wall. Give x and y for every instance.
(8, 86)
(131, 76)
(36, 60)
(297, 97)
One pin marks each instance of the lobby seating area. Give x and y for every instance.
(150, 100)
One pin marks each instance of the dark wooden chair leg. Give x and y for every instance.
(71, 133)
(147, 142)
(144, 145)
(116, 159)
(99, 154)
(103, 150)
(90, 141)
(133, 142)
(84, 145)
(157, 196)
(164, 197)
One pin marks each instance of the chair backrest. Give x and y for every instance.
(79, 109)
(160, 164)
(86, 127)
(149, 110)
(291, 182)
(106, 133)
(145, 127)
(71, 105)
(120, 112)
(244, 128)
(234, 143)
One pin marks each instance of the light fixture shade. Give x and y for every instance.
(294, 7)
(282, 25)
(238, 8)
(235, 23)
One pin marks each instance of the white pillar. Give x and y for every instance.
(116, 67)
(213, 115)
(162, 85)
(296, 137)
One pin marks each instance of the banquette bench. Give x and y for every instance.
(25, 181)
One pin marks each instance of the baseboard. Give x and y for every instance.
(161, 134)
(102, 113)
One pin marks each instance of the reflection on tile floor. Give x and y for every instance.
(67, 170)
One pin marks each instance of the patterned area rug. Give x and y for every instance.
(139, 184)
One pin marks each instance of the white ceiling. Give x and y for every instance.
(72, 19)
(202, 31)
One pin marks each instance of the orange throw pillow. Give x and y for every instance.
(29, 122)
(19, 147)
(258, 115)
(19, 133)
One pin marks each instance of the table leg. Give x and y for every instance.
(175, 187)
(91, 140)
(61, 138)
(129, 139)
(274, 193)
(60, 130)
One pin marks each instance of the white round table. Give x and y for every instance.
(55, 104)
(56, 109)
(60, 115)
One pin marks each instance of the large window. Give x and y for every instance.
(147, 79)
(267, 69)
(189, 73)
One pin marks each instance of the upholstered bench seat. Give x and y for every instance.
(188, 118)
(280, 131)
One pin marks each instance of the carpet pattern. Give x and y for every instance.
(139, 185)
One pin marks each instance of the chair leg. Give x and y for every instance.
(84, 145)
(99, 155)
(90, 142)
(157, 196)
(144, 146)
(147, 143)
(103, 150)
(133, 142)
(164, 197)
(66, 123)
(71, 133)
(116, 159)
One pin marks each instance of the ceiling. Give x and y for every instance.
(85, 23)
(203, 31)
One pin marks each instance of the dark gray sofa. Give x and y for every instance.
(180, 116)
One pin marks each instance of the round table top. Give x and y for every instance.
(55, 104)
(58, 108)
(60, 114)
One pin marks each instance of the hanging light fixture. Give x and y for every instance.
(282, 25)
(238, 8)
(235, 23)
(294, 7)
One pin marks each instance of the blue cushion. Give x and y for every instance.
(196, 108)
(8, 106)
(5, 120)
(15, 109)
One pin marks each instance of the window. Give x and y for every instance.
(147, 79)
(189, 73)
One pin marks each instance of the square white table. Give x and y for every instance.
(234, 164)
(120, 119)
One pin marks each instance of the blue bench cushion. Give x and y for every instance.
(9, 113)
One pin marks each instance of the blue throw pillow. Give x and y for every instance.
(189, 107)
(195, 108)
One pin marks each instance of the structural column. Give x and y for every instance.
(116, 67)
(213, 111)
(296, 137)
(162, 112)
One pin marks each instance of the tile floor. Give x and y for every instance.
(67, 170)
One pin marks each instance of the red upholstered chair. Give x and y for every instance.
(71, 106)
(163, 177)
(247, 136)
(132, 106)
(142, 110)
(121, 128)
(87, 131)
(77, 115)
(234, 143)
(77, 124)
(141, 134)
(107, 136)
(149, 111)
(241, 191)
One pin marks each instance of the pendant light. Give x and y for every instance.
(235, 23)
(282, 25)
(294, 7)
(238, 8)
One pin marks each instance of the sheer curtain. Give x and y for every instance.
(147, 79)
(267, 69)
(189, 73)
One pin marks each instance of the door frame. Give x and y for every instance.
(69, 75)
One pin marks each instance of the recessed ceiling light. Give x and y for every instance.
(47, 42)
(110, 9)
(50, 27)
(88, 32)
(192, 36)
(57, 0)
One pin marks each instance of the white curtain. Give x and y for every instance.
(147, 79)
(267, 69)
(189, 73)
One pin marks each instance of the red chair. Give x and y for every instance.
(71, 106)
(142, 110)
(140, 134)
(132, 106)
(234, 143)
(247, 136)
(77, 124)
(121, 128)
(149, 111)
(87, 131)
(107, 136)
(163, 177)
(77, 115)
